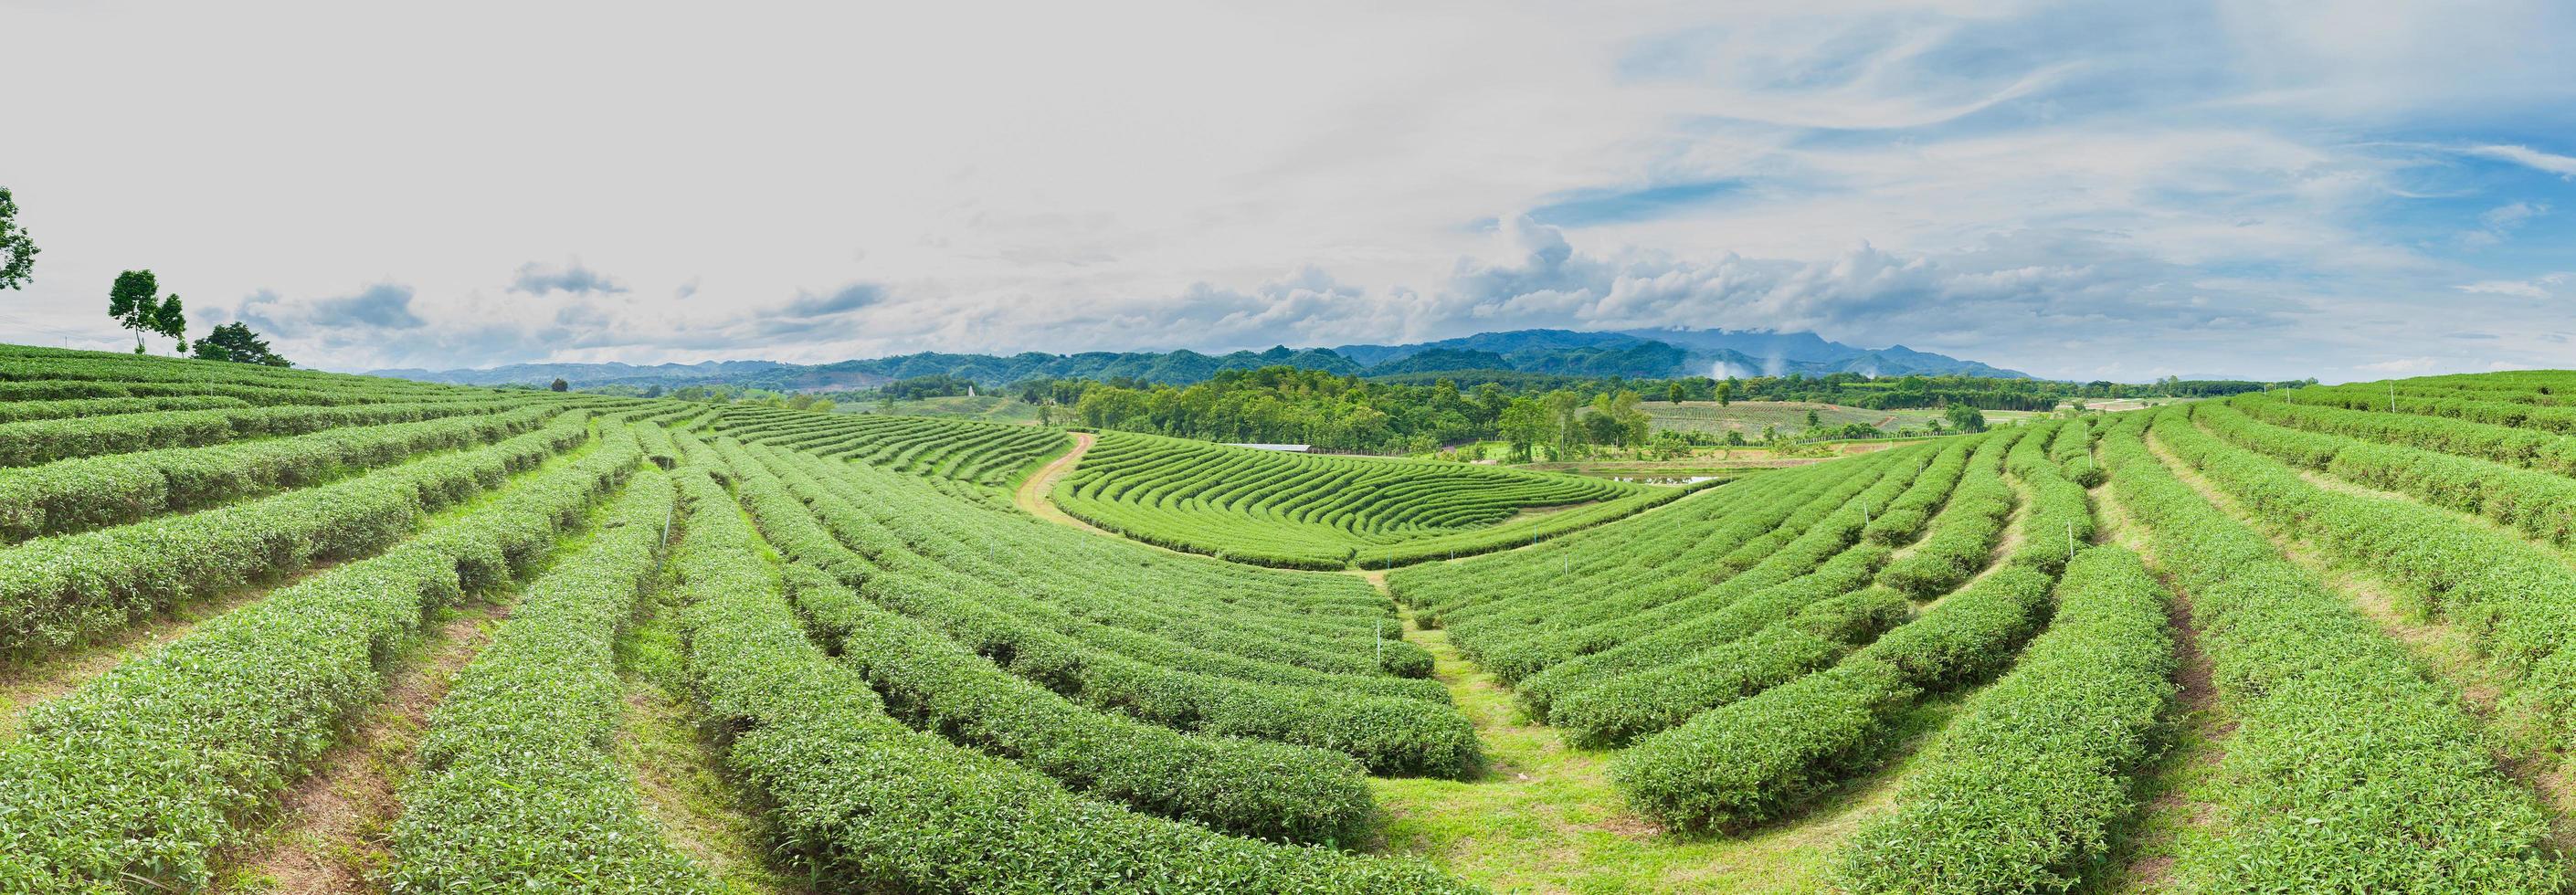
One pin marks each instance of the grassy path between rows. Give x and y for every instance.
(1545, 818)
(676, 764)
(331, 827)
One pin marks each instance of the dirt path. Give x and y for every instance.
(2201, 725)
(1032, 494)
(1032, 497)
(331, 829)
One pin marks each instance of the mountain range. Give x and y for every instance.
(1636, 354)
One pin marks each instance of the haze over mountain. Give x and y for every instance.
(1637, 354)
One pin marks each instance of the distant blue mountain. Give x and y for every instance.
(1657, 353)
(1636, 354)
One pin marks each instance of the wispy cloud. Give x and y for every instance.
(2499, 222)
(2561, 165)
(2540, 287)
(1588, 207)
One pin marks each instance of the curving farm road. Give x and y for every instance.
(1032, 494)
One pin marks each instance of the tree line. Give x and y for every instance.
(1422, 413)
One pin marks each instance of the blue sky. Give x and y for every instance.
(2088, 190)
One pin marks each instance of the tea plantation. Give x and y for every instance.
(267, 629)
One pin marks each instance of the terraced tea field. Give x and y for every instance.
(1308, 511)
(1749, 418)
(271, 630)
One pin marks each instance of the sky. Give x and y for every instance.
(2344, 190)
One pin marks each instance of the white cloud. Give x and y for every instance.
(2512, 215)
(2563, 166)
(2403, 366)
(2540, 287)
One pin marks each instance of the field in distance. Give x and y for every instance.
(984, 408)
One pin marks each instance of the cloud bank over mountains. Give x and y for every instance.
(2087, 191)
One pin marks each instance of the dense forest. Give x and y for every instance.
(1421, 413)
(1408, 414)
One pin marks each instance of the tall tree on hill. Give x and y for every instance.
(17, 251)
(131, 302)
(1725, 391)
(1674, 393)
(559, 385)
(235, 342)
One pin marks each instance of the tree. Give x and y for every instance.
(236, 343)
(1812, 420)
(1523, 424)
(1965, 418)
(1725, 391)
(1563, 407)
(131, 302)
(17, 252)
(1602, 428)
(653, 391)
(559, 385)
(1674, 393)
(1615, 419)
